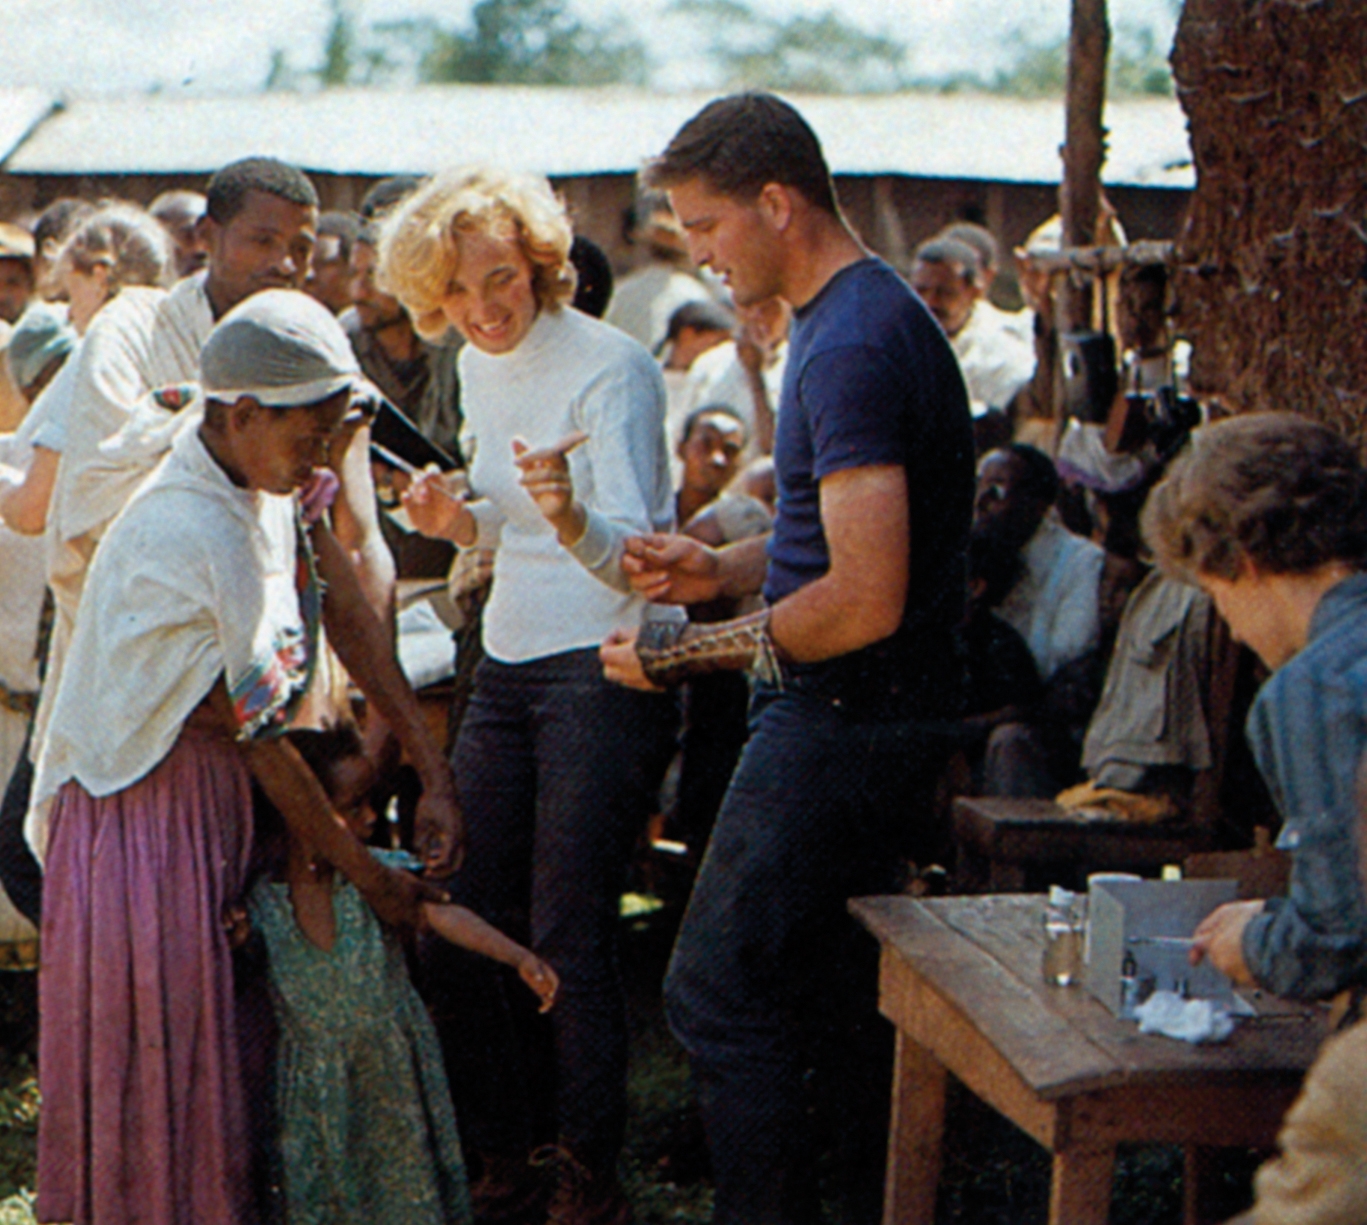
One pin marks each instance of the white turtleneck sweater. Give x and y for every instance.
(569, 373)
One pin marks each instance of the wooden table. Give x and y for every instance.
(997, 840)
(960, 979)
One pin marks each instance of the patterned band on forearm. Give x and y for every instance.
(670, 652)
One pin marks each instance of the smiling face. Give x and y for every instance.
(491, 300)
(736, 239)
(268, 244)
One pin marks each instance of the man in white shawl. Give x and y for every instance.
(197, 639)
(259, 228)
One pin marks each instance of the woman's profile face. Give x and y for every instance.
(490, 300)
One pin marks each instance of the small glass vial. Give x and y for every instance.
(1129, 985)
(1063, 935)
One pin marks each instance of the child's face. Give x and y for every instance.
(352, 779)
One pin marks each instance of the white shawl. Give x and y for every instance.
(195, 578)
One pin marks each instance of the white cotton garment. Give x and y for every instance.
(142, 340)
(195, 578)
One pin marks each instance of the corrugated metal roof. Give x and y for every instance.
(20, 111)
(566, 132)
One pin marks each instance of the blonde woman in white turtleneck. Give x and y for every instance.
(556, 767)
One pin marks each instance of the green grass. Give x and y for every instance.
(18, 1096)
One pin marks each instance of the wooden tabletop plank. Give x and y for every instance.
(1051, 1057)
(983, 955)
(1009, 929)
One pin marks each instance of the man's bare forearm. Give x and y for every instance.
(741, 566)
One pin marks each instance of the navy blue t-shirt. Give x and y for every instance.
(871, 380)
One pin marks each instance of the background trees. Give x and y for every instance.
(546, 42)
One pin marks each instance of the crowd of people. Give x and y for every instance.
(752, 553)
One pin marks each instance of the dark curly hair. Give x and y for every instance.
(1283, 491)
(227, 190)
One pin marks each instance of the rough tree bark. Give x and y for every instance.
(1271, 276)
(1084, 148)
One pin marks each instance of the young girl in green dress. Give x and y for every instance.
(367, 1132)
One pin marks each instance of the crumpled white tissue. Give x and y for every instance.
(1167, 1013)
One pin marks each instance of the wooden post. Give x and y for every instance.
(1084, 148)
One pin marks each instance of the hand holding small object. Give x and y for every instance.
(1220, 938)
(435, 509)
(546, 478)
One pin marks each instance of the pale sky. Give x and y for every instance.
(84, 47)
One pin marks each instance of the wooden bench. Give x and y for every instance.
(997, 842)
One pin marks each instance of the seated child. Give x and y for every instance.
(367, 1132)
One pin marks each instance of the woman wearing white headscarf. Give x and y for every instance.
(197, 641)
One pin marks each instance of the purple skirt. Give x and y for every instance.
(142, 1118)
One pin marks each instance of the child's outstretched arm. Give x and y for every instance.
(463, 927)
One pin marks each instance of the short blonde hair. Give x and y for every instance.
(419, 244)
(126, 239)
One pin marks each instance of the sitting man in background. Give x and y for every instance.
(419, 377)
(996, 361)
(982, 240)
(1054, 606)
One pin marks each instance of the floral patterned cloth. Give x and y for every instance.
(367, 1132)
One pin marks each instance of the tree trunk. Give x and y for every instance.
(1084, 149)
(1271, 276)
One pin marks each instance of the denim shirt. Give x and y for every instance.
(1308, 731)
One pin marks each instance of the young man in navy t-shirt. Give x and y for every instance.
(856, 660)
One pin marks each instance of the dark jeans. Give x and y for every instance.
(772, 988)
(557, 771)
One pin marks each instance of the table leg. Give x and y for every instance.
(1081, 1191)
(914, 1139)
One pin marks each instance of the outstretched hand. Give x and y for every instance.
(398, 897)
(672, 569)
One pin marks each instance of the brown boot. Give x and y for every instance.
(509, 1191)
(584, 1194)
